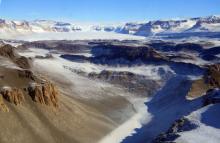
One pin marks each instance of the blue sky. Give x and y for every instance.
(107, 10)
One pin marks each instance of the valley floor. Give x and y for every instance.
(110, 91)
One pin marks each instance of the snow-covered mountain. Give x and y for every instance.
(39, 26)
(207, 24)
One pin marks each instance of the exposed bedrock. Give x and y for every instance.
(107, 54)
(210, 80)
(132, 82)
(12, 95)
(45, 93)
(180, 125)
(3, 106)
(9, 52)
(171, 47)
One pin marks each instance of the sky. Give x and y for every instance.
(107, 10)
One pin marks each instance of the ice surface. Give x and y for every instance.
(208, 131)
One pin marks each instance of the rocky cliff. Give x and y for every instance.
(17, 84)
(9, 52)
(12, 95)
(210, 80)
(45, 93)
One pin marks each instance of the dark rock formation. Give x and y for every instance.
(130, 81)
(62, 46)
(47, 56)
(211, 51)
(190, 47)
(22, 62)
(27, 74)
(212, 97)
(9, 52)
(171, 47)
(210, 54)
(75, 58)
(180, 125)
(213, 75)
(108, 53)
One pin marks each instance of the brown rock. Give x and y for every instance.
(22, 62)
(45, 93)
(3, 107)
(8, 51)
(13, 95)
(213, 76)
(26, 74)
(209, 81)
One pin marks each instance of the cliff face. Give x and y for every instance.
(129, 81)
(14, 83)
(13, 95)
(209, 81)
(46, 94)
(3, 107)
(7, 51)
(213, 75)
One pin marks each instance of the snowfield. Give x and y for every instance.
(208, 129)
(71, 36)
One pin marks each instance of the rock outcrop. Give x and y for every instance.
(109, 54)
(9, 52)
(27, 74)
(13, 95)
(45, 93)
(131, 82)
(210, 80)
(3, 107)
(213, 76)
(178, 126)
(22, 62)
(15, 86)
(212, 97)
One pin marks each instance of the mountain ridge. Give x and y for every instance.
(150, 28)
